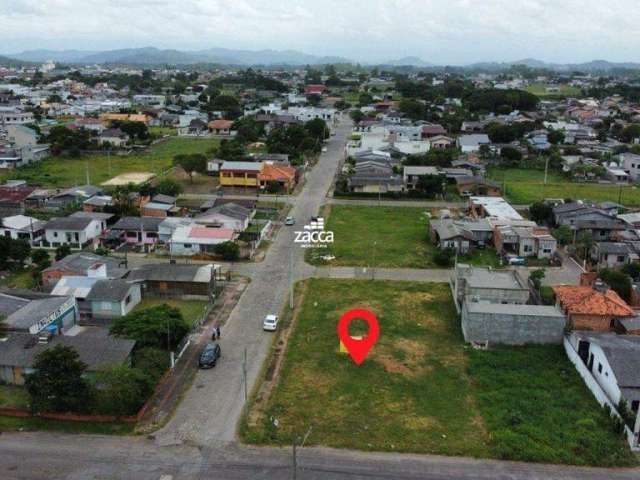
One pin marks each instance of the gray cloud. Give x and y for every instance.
(454, 31)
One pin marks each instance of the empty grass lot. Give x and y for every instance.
(422, 390)
(392, 237)
(540, 89)
(66, 171)
(527, 186)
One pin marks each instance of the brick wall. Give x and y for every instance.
(597, 323)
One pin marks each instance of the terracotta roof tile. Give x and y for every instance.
(586, 300)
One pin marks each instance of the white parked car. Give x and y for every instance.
(270, 323)
(290, 221)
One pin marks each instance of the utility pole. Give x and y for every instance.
(291, 276)
(244, 376)
(294, 471)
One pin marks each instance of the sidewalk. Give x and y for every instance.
(163, 400)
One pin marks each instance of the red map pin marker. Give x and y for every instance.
(358, 348)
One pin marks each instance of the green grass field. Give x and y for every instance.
(539, 89)
(19, 279)
(379, 236)
(66, 172)
(12, 396)
(95, 428)
(422, 390)
(527, 186)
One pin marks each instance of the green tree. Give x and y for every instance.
(563, 234)
(555, 137)
(41, 259)
(317, 128)
(169, 186)
(161, 326)
(191, 163)
(62, 251)
(122, 390)
(430, 185)
(536, 278)
(443, 257)
(584, 242)
(57, 383)
(618, 281)
(630, 133)
(230, 251)
(541, 213)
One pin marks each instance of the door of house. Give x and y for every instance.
(590, 365)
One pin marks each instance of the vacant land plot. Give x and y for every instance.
(540, 89)
(379, 236)
(12, 396)
(66, 171)
(527, 186)
(422, 390)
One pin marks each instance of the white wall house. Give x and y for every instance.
(74, 231)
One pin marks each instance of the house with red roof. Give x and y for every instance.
(284, 175)
(596, 308)
(314, 89)
(193, 239)
(221, 127)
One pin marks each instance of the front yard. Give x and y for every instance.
(422, 390)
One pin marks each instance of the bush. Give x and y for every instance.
(153, 361)
(161, 326)
(122, 390)
(444, 257)
(229, 251)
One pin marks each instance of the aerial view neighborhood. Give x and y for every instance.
(253, 262)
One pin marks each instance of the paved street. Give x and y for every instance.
(211, 409)
(39, 456)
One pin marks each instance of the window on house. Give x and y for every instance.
(187, 245)
(620, 258)
(635, 405)
(127, 300)
(599, 368)
(55, 234)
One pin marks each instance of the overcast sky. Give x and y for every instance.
(438, 31)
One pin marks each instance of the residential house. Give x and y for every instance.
(31, 312)
(13, 199)
(441, 142)
(240, 174)
(431, 130)
(114, 137)
(82, 264)
(472, 143)
(221, 128)
(284, 175)
(77, 232)
(375, 178)
(613, 254)
(592, 308)
(168, 226)
(524, 241)
(195, 239)
(194, 281)
(137, 230)
(228, 216)
(481, 284)
(97, 203)
(72, 196)
(460, 234)
(630, 163)
(608, 363)
(492, 207)
(411, 174)
(160, 206)
(21, 227)
(113, 298)
(477, 184)
(95, 348)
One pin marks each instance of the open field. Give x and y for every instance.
(66, 171)
(539, 89)
(422, 390)
(384, 237)
(191, 309)
(95, 428)
(19, 279)
(527, 186)
(379, 236)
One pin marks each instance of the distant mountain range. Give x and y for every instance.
(152, 55)
(225, 56)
